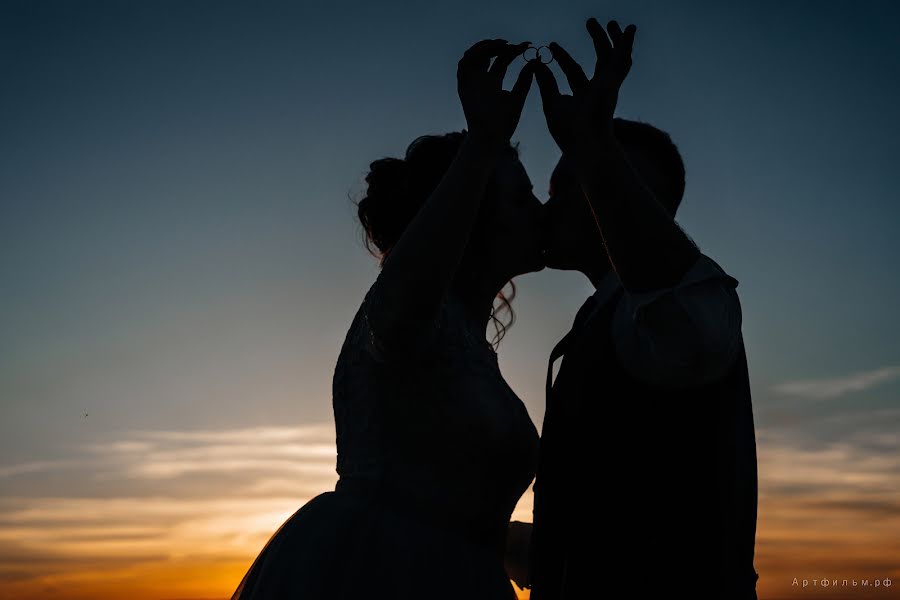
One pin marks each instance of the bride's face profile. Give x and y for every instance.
(510, 231)
(571, 231)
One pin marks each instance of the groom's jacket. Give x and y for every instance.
(644, 484)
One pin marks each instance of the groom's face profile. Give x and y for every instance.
(510, 226)
(570, 228)
(573, 239)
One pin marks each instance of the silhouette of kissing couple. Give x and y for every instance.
(645, 468)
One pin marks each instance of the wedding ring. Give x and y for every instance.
(537, 54)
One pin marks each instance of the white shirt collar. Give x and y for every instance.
(703, 268)
(608, 284)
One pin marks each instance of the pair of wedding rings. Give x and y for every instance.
(537, 54)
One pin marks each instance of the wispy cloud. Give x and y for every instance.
(832, 387)
(831, 510)
(151, 498)
(171, 454)
(178, 505)
(37, 466)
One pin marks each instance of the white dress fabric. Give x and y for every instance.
(434, 451)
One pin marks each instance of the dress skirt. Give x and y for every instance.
(341, 546)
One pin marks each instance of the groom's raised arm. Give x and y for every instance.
(647, 248)
(679, 322)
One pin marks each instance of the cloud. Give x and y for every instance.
(170, 454)
(826, 388)
(826, 509)
(34, 467)
(159, 497)
(177, 505)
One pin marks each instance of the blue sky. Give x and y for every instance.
(179, 252)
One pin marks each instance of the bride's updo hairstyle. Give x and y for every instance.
(397, 189)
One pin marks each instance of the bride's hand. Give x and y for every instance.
(518, 544)
(492, 113)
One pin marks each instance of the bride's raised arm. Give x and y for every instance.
(417, 272)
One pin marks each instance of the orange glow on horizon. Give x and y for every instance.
(201, 505)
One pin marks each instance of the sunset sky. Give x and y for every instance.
(180, 261)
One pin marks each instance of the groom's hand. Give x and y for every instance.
(576, 121)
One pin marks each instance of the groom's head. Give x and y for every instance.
(573, 241)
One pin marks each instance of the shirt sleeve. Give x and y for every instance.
(684, 335)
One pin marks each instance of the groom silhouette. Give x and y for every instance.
(647, 475)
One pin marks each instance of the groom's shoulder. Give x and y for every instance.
(707, 265)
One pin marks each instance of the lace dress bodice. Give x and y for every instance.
(438, 426)
(434, 451)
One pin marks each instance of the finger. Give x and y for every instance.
(601, 43)
(615, 33)
(621, 62)
(478, 56)
(481, 45)
(523, 84)
(546, 82)
(505, 58)
(628, 38)
(572, 70)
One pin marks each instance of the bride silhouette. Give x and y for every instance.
(434, 448)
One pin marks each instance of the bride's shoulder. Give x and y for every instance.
(424, 339)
